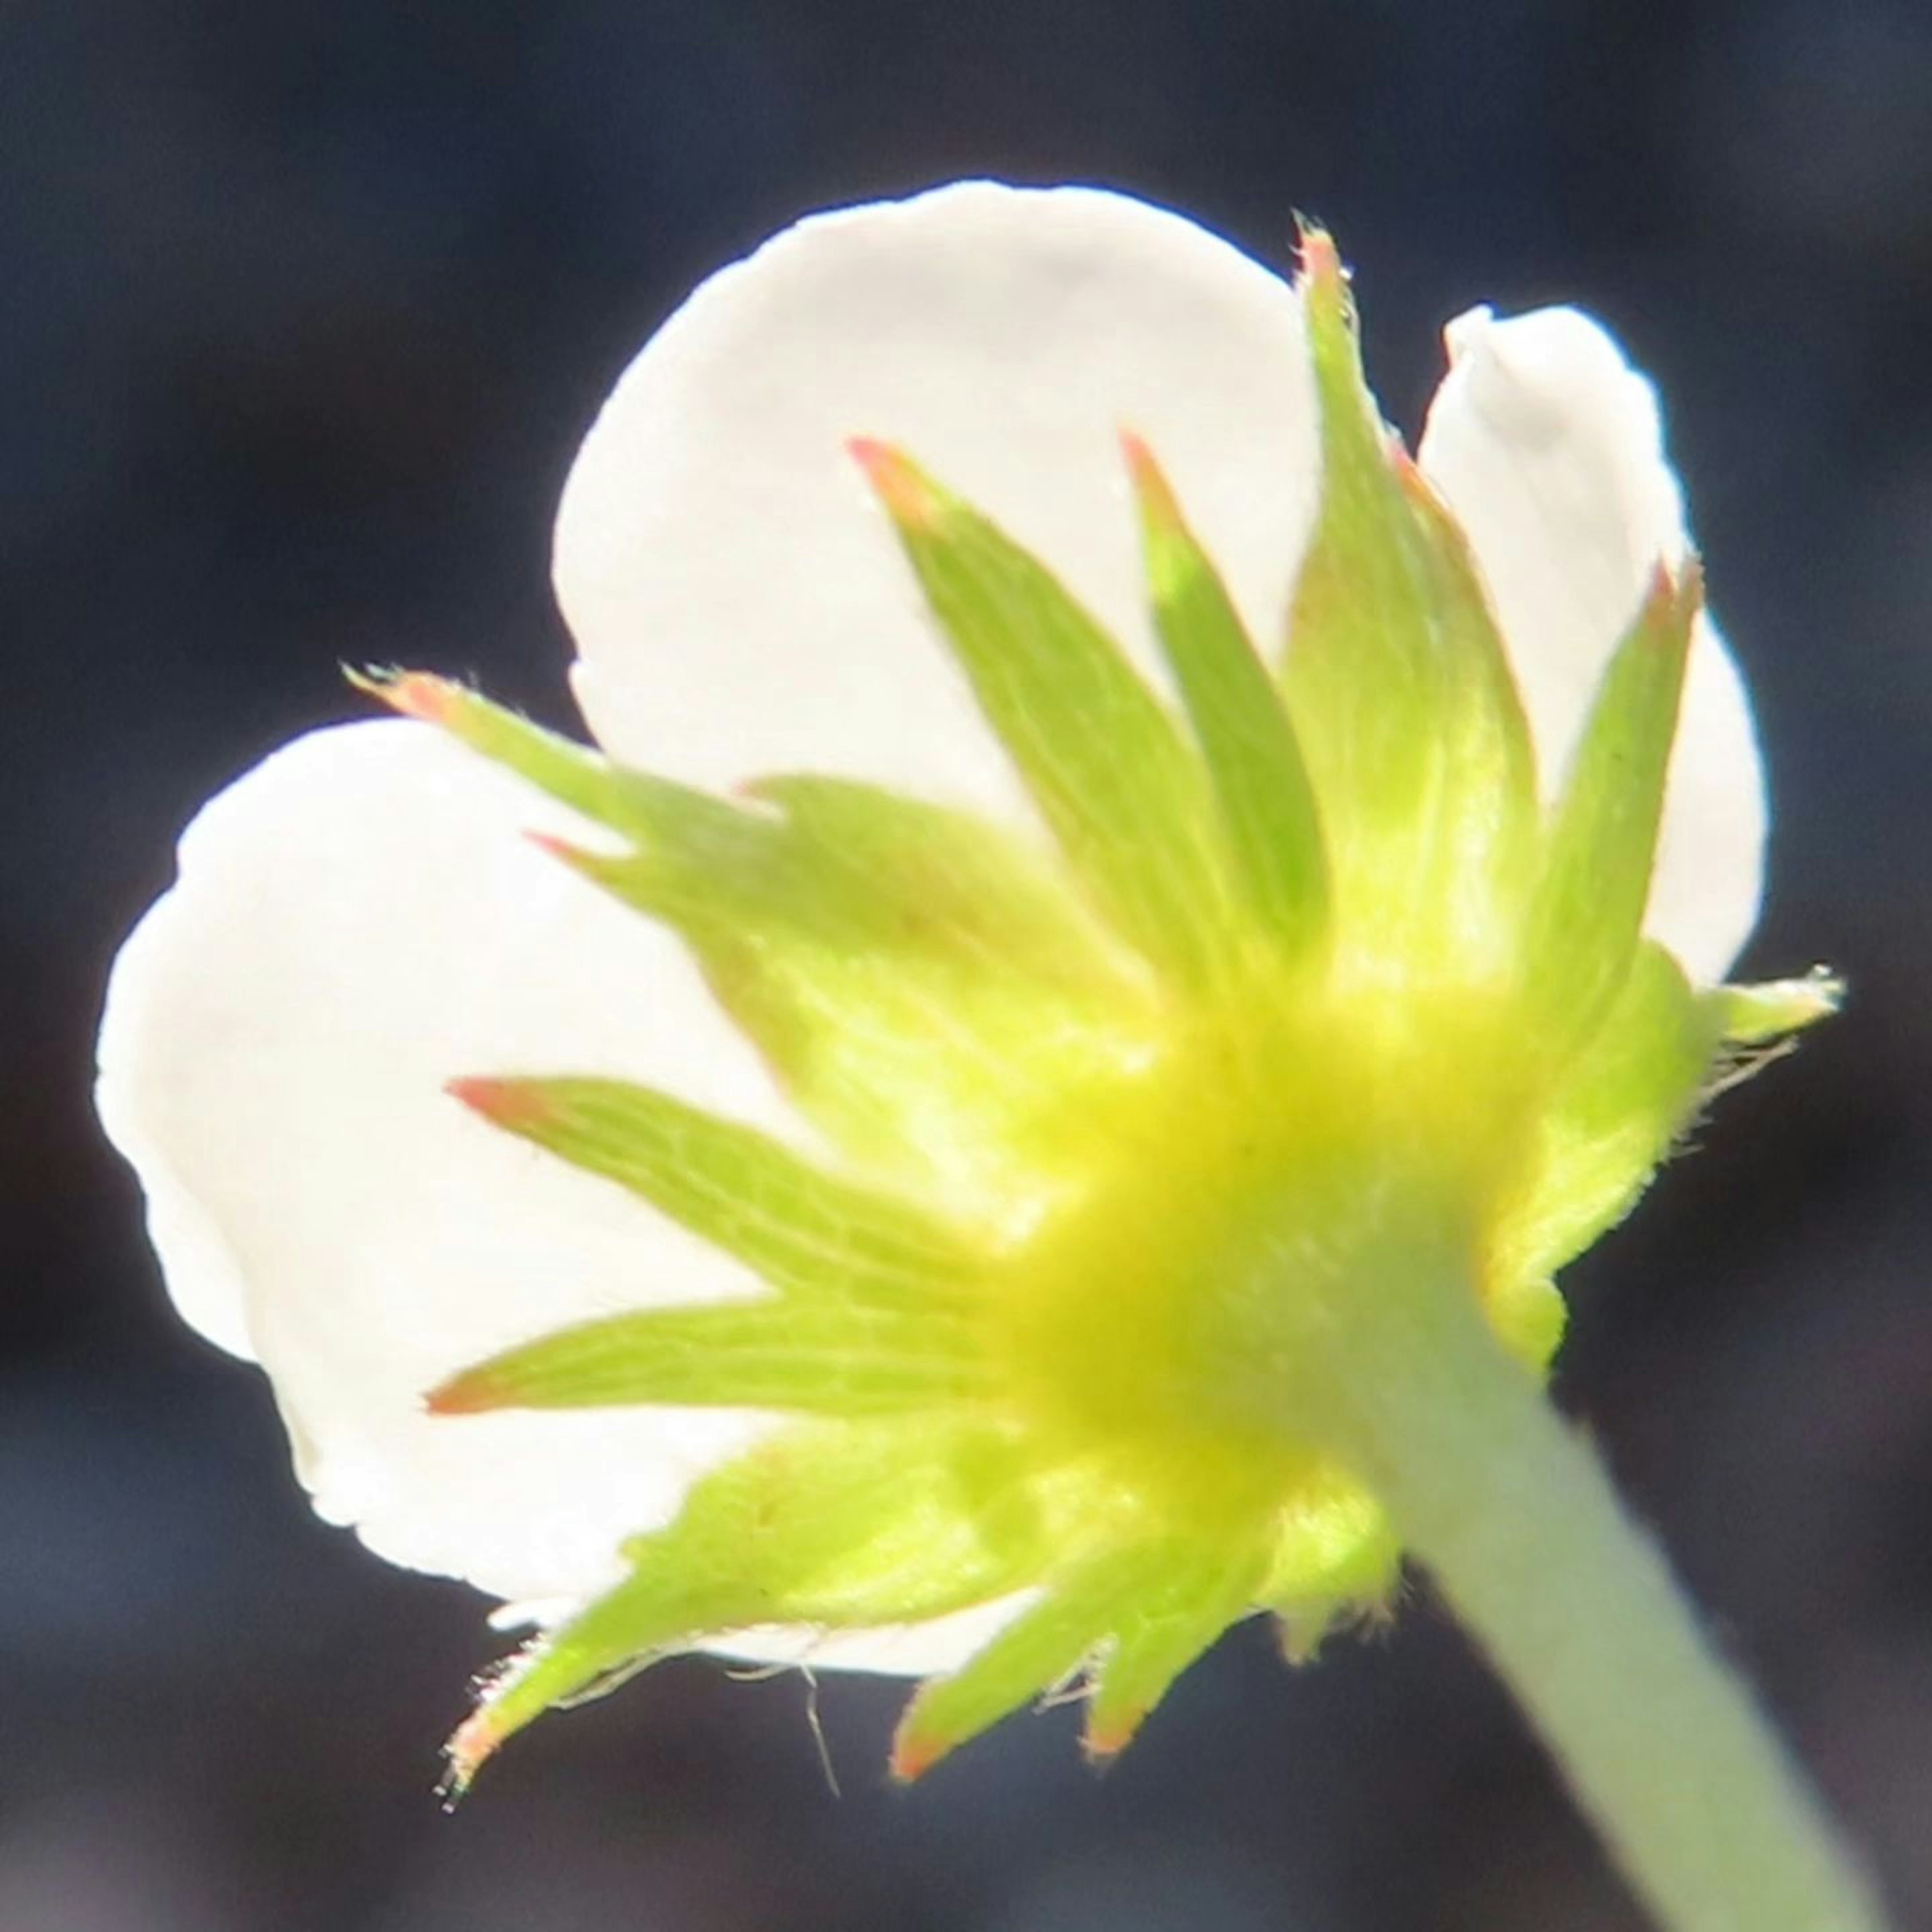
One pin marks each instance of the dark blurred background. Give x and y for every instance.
(302, 311)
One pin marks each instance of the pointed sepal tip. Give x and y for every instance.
(419, 695)
(910, 496)
(518, 1105)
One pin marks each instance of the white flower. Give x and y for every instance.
(358, 919)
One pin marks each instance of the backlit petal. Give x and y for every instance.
(1548, 446)
(737, 597)
(356, 921)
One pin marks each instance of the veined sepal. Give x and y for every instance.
(1126, 798)
(1270, 821)
(1586, 912)
(1399, 687)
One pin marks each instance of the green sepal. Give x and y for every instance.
(1194, 1594)
(1621, 1104)
(879, 1521)
(1268, 809)
(835, 863)
(1401, 692)
(917, 979)
(808, 1232)
(1044, 1646)
(1336, 1556)
(1600, 849)
(569, 772)
(1120, 787)
(923, 1012)
(1773, 1009)
(922, 880)
(826, 1525)
(800, 1359)
(1486, 841)
(847, 863)
(656, 1612)
(1528, 1311)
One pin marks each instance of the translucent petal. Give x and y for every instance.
(356, 921)
(901, 1650)
(1548, 446)
(739, 600)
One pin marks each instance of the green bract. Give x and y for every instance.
(1107, 1121)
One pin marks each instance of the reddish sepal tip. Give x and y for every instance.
(913, 1756)
(575, 856)
(474, 1744)
(1412, 482)
(1149, 480)
(1320, 263)
(507, 1103)
(1674, 591)
(1102, 1747)
(908, 497)
(466, 1393)
(420, 695)
(1140, 458)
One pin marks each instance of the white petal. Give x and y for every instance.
(738, 599)
(356, 921)
(900, 1650)
(1548, 446)
(891, 1650)
(896, 1650)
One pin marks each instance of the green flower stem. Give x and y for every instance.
(1700, 1804)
